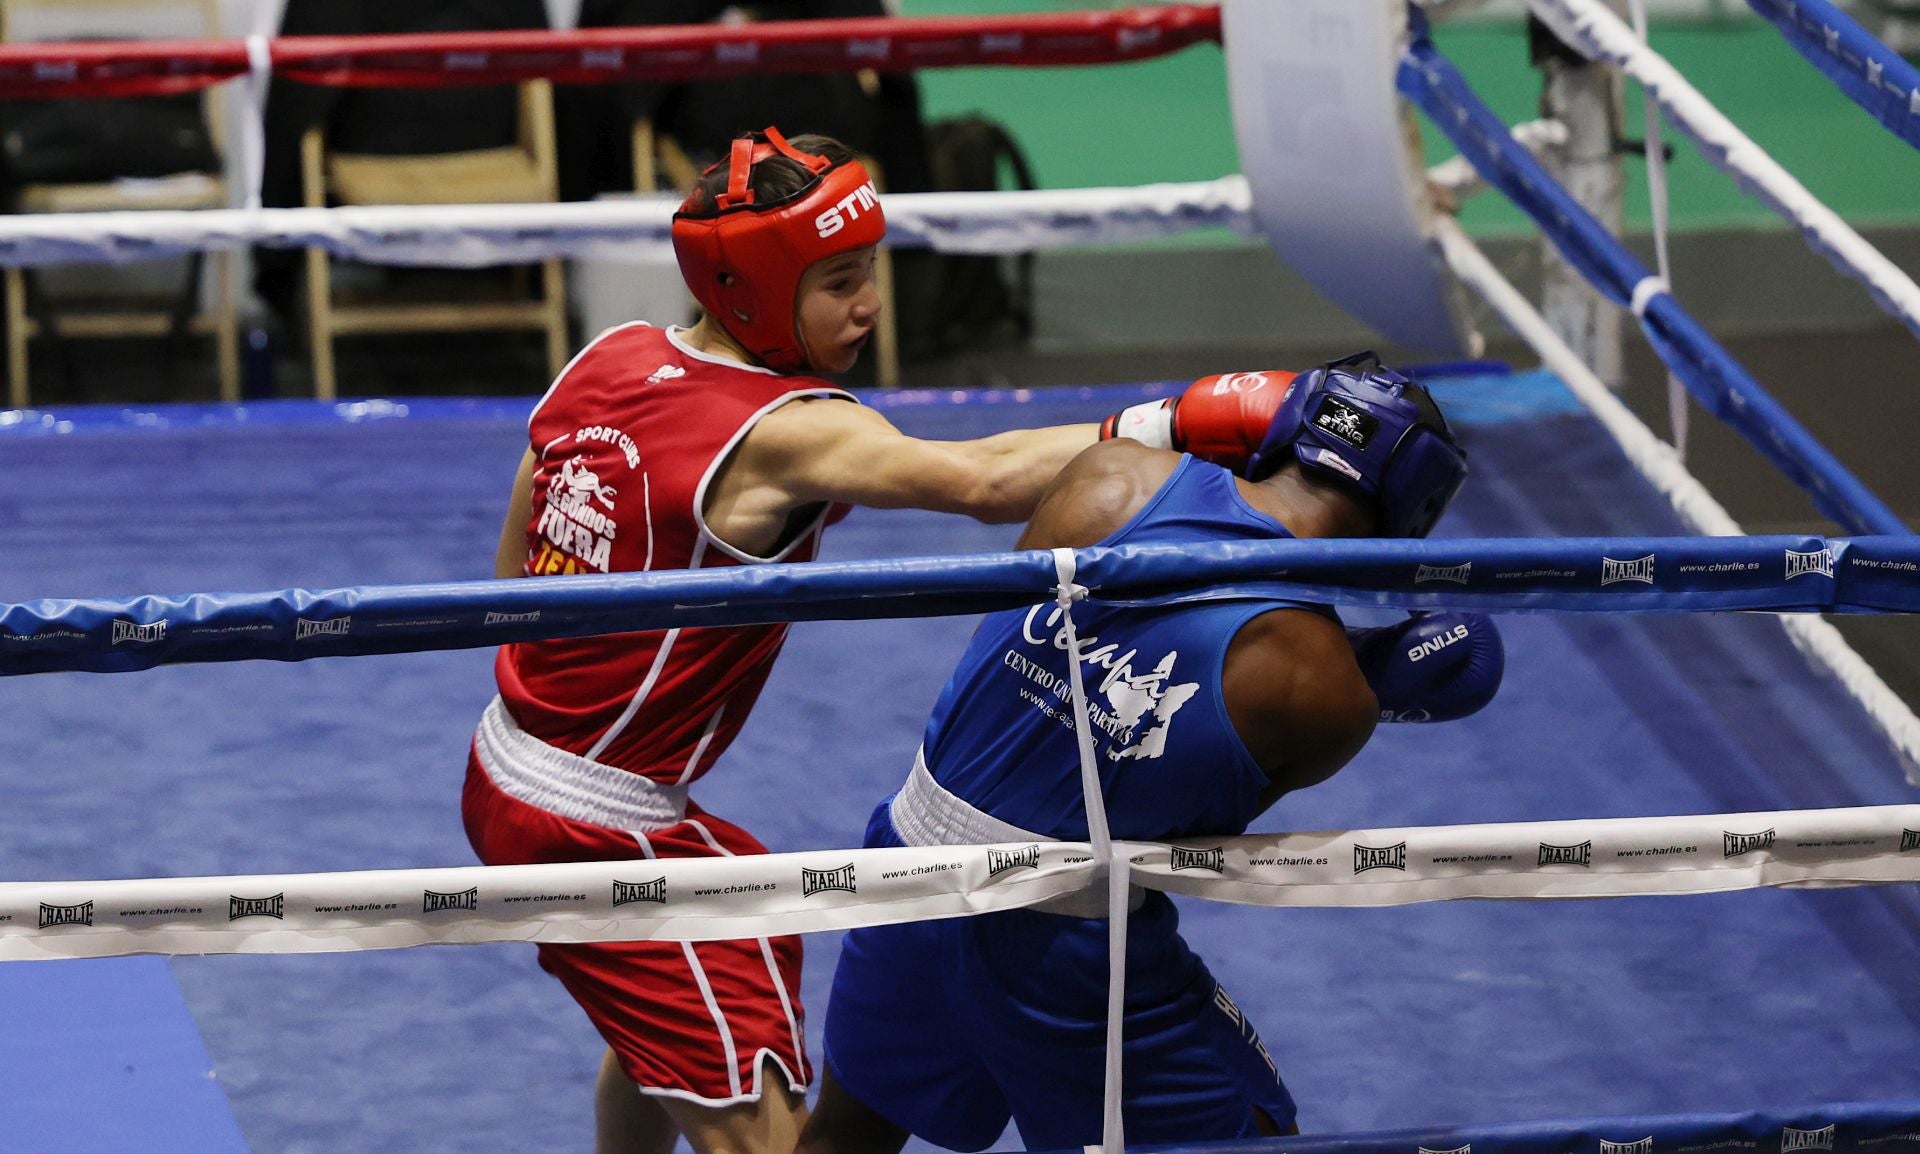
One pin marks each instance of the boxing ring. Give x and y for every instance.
(1439, 1020)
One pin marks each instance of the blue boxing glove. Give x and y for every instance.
(1431, 667)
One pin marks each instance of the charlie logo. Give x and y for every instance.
(849, 208)
(820, 881)
(1392, 857)
(1802, 564)
(1458, 574)
(665, 373)
(1002, 42)
(1735, 844)
(143, 634)
(273, 907)
(511, 618)
(737, 52)
(878, 48)
(1909, 840)
(999, 861)
(1643, 1146)
(608, 58)
(1792, 1139)
(1467, 1149)
(1200, 859)
(628, 892)
(1346, 422)
(1580, 855)
(1639, 569)
(432, 902)
(303, 628)
(80, 915)
(1132, 38)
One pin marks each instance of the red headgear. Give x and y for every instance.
(742, 260)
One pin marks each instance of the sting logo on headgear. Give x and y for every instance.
(1579, 855)
(1735, 844)
(820, 881)
(432, 901)
(1792, 1139)
(625, 893)
(1345, 422)
(80, 915)
(1392, 857)
(999, 861)
(1909, 840)
(1200, 859)
(1643, 1146)
(273, 907)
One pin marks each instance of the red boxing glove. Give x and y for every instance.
(1221, 419)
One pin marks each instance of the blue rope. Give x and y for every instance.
(1430, 81)
(1615, 574)
(1876, 77)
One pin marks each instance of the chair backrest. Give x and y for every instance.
(81, 19)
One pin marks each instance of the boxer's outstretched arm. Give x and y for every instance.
(829, 450)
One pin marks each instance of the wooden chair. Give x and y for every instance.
(66, 19)
(654, 153)
(523, 173)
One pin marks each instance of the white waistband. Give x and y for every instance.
(925, 812)
(569, 785)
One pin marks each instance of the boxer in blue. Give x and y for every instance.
(1203, 712)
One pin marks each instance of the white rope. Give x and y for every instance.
(253, 126)
(1818, 640)
(1656, 152)
(710, 899)
(1106, 857)
(469, 236)
(1596, 31)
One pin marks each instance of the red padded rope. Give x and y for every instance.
(117, 68)
(614, 55)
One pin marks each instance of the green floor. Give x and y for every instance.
(1167, 119)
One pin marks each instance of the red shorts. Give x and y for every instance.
(685, 1019)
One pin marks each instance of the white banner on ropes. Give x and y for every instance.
(708, 899)
(476, 235)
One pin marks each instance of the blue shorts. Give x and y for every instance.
(949, 1028)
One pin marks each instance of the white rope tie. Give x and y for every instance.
(1644, 292)
(253, 127)
(1066, 592)
(1677, 412)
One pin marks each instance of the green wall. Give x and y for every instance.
(1168, 119)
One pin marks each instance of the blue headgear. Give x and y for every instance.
(1362, 424)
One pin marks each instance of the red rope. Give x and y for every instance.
(611, 55)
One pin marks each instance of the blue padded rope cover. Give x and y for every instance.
(1611, 574)
(1876, 77)
(1719, 382)
(1842, 1128)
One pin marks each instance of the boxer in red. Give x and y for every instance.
(703, 447)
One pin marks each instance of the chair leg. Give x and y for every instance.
(886, 337)
(320, 324)
(554, 286)
(16, 337)
(226, 327)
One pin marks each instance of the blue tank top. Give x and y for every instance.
(1171, 764)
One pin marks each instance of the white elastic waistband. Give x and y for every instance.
(925, 812)
(568, 785)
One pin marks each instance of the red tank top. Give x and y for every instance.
(626, 442)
